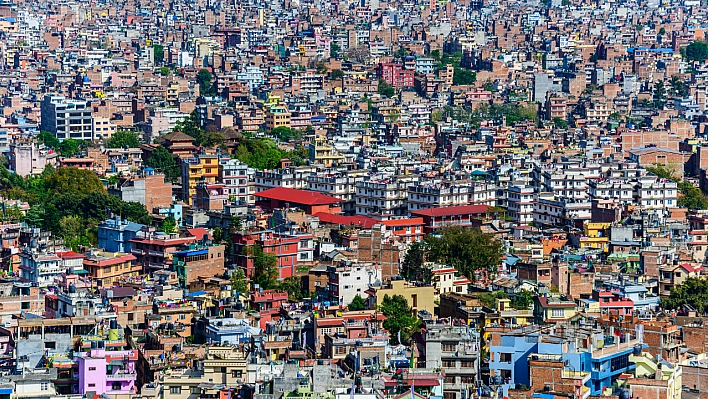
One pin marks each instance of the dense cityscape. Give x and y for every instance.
(369, 199)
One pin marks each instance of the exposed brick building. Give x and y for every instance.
(198, 261)
(395, 75)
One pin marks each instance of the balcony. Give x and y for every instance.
(121, 376)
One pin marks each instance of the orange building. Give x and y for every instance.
(109, 268)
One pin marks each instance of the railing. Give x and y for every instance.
(122, 376)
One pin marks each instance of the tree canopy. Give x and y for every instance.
(413, 267)
(399, 317)
(693, 292)
(696, 51)
(123, 139)
(69, 202)
(265, 154)
(265, 268)
(206, 88)
(469, 250)
(358, 303)
(386, 89)
(162, 161)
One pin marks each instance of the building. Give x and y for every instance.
(348, 280)
(466, 216)
(107, 269)
(114, 234)
(198, 261)
(310, 201)
(456, 350)
(419, 297)
(153, 250)
(394, 75)
(287, 249)
(66, 119)
(40, 267)
(203, 168)
(147, 188)
(30, 158)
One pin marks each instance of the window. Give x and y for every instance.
(195, 390)
(115, 386)
(92, 385)
(50, 345)
(236, 373)
(25, 305)
(557, 313)
(175, 390)
(44, 386)
(92, 369)
(182, 316)
(449, 347)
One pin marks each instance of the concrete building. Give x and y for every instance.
(66, 118)
(346, 281)
(114, 234)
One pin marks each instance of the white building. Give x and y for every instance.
(349, 280)
(66, 118)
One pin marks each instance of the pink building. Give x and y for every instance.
(106, 371)
(611, 302)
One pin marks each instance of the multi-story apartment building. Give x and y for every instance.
(456, 350)
(154, 250)
(111, 268)
(348, 280)
(338, 185)
(201, 168)
(651, 192)
(295, 177)
(382, 198)
(235, 177)
(424, 195)
(66, 119)
(520, 204)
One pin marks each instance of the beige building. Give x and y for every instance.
(418, 297)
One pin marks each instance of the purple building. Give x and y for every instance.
(107, 371)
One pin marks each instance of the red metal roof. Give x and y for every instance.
(452, 210)
(294, 196)
(359, 221)
(403, 222)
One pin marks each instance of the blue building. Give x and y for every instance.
(233, 331)
(604, 356)
(114, 235)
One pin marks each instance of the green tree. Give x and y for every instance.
(336, 74)
(260, 153)
(204, 79)
(386, 89)
(162, 161)
(284, 133)
(469, 250)
(73, 180)
(662, 31)
(169, 225)
(71, 147)
(48, 139)
(691, 196)
(158, 54)
(659, 94)
(693, 292)
(164, 71)
(489, 299)
(265, 270)
(235, 224)
(697, 51)
(399, 317)
(123, 139)
(413, 267)
(293, 286)
(435, 54)
(334, 50)
(523, 300)
(358, 303)
(463, 77)
(401, 53)
(560, 123)
(239, 283)
(678, 86)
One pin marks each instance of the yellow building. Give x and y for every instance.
(512, 316)
(595, 235)
(418, 297)
(650, 380)
(554, 309)
(203, 167)
(276, 116)
(322, 152)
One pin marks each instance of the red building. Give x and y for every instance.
(395, 75)
(406, 230)
(611, 302)
(463, 215)
(284, 248)
(310, 201)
